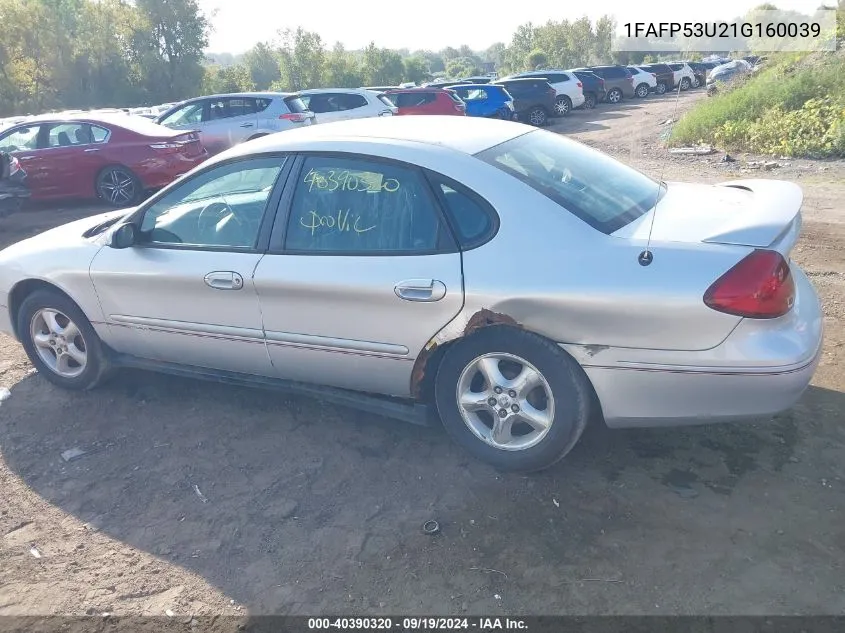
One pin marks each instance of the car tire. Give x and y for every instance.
(642, 91)
(60, 341)
(696, 82)
(537, 116)
(563, 105)
(661, 88)
(614, 96)
(685, 83)
(117, 186)
(559, 402)
(590, 101)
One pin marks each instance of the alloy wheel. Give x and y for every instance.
(562, 106)
(615, 96)
(537, 116)
(642, 91)
(59, 342)
(117, 187)
(505, 401)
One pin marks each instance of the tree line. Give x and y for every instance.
(57, 54)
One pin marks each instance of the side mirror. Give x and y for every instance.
(124, 236)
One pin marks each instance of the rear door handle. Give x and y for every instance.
(224, 280)
(420, 290)
(247, 124)
(92, 149)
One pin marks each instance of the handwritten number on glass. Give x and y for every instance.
(341, 222)
(345, 181)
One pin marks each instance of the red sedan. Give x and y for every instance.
(112, 157)
(427, 101)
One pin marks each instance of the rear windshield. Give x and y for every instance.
(295, 104)
(603, 192)
(385, 100)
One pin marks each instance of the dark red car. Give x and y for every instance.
(113, 157)
(427, 101)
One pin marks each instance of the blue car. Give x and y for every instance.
(486, 100)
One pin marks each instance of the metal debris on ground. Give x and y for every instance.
(34, 551)
(700, 150)
(169, 613)
(556, 502)
(72, 453)
(431, 527)
(202, 497)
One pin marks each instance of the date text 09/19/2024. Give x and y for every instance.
(481, 624)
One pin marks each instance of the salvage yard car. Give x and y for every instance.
(115, 158)
(514, 280)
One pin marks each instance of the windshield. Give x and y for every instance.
(603, 192)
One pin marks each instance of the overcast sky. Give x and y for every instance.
(435, 24)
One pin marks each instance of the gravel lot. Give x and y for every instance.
(311, 509)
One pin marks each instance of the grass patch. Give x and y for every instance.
(795, 107)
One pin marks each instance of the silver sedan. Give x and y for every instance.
(513, 280)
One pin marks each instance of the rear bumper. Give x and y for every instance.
(762, 368)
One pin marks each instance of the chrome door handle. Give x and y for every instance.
(224, 280)
(26, 157)
(247, 124)
(420, 290)
(92, 149)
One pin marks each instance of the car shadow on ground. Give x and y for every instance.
(292, 506)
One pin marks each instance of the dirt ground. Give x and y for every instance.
(304, 508)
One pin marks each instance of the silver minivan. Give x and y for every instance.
(228, 119)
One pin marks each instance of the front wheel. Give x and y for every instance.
(118, 186)
(563, 106)
(661, 88)
(614, 96)
(512, 398)
(537, 116)
(642, 91)
(60, 341)
(589, 101)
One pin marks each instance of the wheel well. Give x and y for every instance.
(255, 136)
(428, 363)
(25, 288)
(564, 97)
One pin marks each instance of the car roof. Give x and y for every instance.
(468, 135)
(519, 79)
(474, 86)
(257, 95)
(351, 91)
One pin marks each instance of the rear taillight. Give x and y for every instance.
(460, 107)
(14, 165)
(296, 117)
(653, 75)
(580, 85)
(760, 286)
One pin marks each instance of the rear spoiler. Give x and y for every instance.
(773, 218)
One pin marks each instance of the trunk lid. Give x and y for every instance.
(756, 213)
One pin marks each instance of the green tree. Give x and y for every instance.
(263, 65)
(223, 79)
(341, 71)
(537, 59)
(462, 67)
(176, 33)
(302, 58)
(381, 66)
(415, 69)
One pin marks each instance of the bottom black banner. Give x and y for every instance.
(438, 624)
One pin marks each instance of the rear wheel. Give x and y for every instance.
(512, 398)
(60, 341)
(661, 88)
(685, 83)
(696, 82)
(590, 100)
(614, 96)
(563, 105)
(642, 91)
(118, 186)
(537, 116)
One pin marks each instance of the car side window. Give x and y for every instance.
(186, 115)
(351, 101)
(241, 106)
(69, 134)
(221, 207)
(21, 139)
(262, 104)
(349, 206)
(217, 109)
(472, 219)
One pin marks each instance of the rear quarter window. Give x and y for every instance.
(295, 104)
